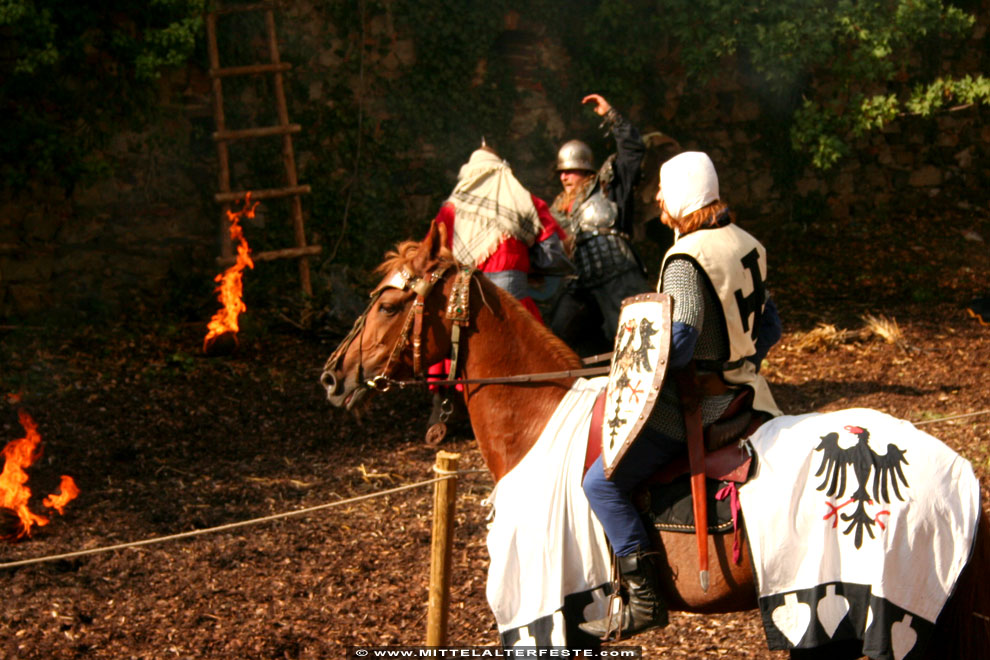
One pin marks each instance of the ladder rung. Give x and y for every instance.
(250, 69)
(270, 193)
(308, 251)
(265, 131)
(236, 9)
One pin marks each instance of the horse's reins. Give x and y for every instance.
(504, 380)
(520, 378)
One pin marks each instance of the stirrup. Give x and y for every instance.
(613, 619)
(613, 623)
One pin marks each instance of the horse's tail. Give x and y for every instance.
(963, 627)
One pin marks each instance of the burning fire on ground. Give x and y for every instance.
(16, 518)
(222, 328)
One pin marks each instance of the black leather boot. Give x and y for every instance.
(643, 609)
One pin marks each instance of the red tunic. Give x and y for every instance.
(511, 254)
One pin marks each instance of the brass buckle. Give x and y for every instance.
(380, 383)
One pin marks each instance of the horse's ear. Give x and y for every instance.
(435, 240)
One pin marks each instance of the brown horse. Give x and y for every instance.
(405, 327)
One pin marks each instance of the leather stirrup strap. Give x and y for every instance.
(690, 395)
(594, 448)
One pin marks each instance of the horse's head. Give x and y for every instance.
(402, 330)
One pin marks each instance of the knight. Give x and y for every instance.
(723, 324)
(595, 210)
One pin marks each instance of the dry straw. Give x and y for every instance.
(826, 335)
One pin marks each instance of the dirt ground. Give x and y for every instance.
(163, 440)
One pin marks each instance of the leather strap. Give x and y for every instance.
(729, 463)
(711, 384)
(417, 333)
(594, 448)
(688, 386)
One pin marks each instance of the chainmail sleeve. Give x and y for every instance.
(695, 305)
(682, 281)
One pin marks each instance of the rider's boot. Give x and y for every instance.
(644, 608)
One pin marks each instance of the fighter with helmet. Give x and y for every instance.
(595, 208)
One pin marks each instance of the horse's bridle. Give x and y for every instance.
(405, 280)
(458, 311)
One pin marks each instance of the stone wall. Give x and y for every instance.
(116, 245)
(151, 233)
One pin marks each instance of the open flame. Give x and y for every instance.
(229, 283)
(18, 519)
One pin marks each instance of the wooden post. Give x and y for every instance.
(444, 494)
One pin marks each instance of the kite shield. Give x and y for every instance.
(639, 366)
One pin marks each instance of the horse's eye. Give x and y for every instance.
(389, 309)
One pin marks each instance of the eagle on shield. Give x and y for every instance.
(639, 361)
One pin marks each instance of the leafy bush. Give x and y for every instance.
(73, 74)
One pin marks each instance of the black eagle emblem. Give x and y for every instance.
(887, 475)
(626, 359)
(641, 357)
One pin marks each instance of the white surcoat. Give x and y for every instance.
(735, 264)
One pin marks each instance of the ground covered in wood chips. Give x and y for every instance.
(163, 440)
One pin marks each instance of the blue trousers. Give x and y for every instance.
(610, 500)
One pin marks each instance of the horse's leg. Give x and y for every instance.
(732, 587)
(963, 627)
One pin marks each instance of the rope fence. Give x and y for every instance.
(951, 417)
(444, 497)
(444, 476)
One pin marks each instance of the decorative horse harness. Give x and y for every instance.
(405, 280)
(457, 311)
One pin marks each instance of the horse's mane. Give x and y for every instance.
(546, 340)
(404, 253)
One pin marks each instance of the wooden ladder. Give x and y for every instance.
(223, 136)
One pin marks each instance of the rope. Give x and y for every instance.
(244, 523)
(444, 475)
(945, 419)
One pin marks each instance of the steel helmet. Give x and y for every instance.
(575, 155)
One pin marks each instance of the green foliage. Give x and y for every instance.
(831, 69)
(74, 74)
(926, 100)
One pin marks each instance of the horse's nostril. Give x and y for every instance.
(329, 382)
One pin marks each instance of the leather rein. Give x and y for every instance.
(458, 312)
